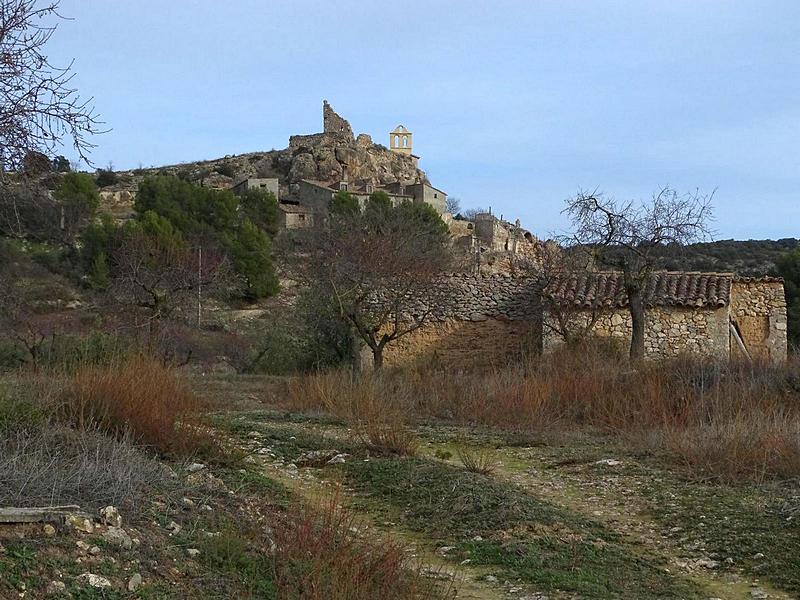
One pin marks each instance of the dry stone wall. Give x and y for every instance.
(479, 321)
(465, 297)
(669, 331)
(758, 309)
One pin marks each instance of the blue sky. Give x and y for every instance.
(513, 104)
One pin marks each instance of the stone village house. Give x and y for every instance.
(487, 321)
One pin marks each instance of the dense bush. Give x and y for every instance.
(310, 337)
(226, 169)
(56, 465)
(201, 214)
(137, 397)
(106, 177)
(43, 462)
(79, 199)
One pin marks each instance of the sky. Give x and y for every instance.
(514, 105)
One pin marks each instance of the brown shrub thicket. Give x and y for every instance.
(376, 408)
(724, 421)
(136, 396)
(321, 556)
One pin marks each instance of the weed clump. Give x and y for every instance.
(475, 460)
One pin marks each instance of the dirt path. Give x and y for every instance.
(594, 479)
(606, 488)
(312, 485)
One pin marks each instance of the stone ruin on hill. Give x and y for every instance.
(335, 154)
(332, 123)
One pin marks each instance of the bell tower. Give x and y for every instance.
(400, 140)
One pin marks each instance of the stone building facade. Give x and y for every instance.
(758, 312)
(711, 314)
(268, 184)
(294, 216)
(488, 321)
(317, 195)
(499, 235)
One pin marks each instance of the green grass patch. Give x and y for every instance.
(232, 556)
(741, 523)
(524, 537)
(253, 483)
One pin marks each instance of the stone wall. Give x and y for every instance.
(308, 140)
(669, 331)
(314, 197)
(479, 321)
(758, 310)
(465, 297)
(457, 345)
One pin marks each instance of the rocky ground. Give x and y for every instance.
(533, 517)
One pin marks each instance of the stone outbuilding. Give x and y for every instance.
(489, 321)
(294, 216)
(717, 315)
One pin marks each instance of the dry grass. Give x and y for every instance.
(137, 396)
(55, 465)
(721, 421)
(377, 415)
(321, 556)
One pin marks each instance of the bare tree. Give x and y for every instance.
(452, 205)
(27, 328)
(377, 267)
(625, 235)
(160, 276)
(27, 210)
(39, 107)
(470, 213)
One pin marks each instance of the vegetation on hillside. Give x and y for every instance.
(788, 267)
(750, 258)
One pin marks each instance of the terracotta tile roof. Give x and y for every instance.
(606, 289)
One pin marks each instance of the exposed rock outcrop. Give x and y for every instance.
(336, 154)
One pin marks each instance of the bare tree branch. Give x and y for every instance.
(39, 105)
(624, 236)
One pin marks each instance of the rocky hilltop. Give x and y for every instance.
(333, 154)
(337, 154)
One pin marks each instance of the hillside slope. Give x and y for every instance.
(743, 257)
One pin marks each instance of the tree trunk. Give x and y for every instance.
(636, 306)
(153, 328)
(377, 357)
